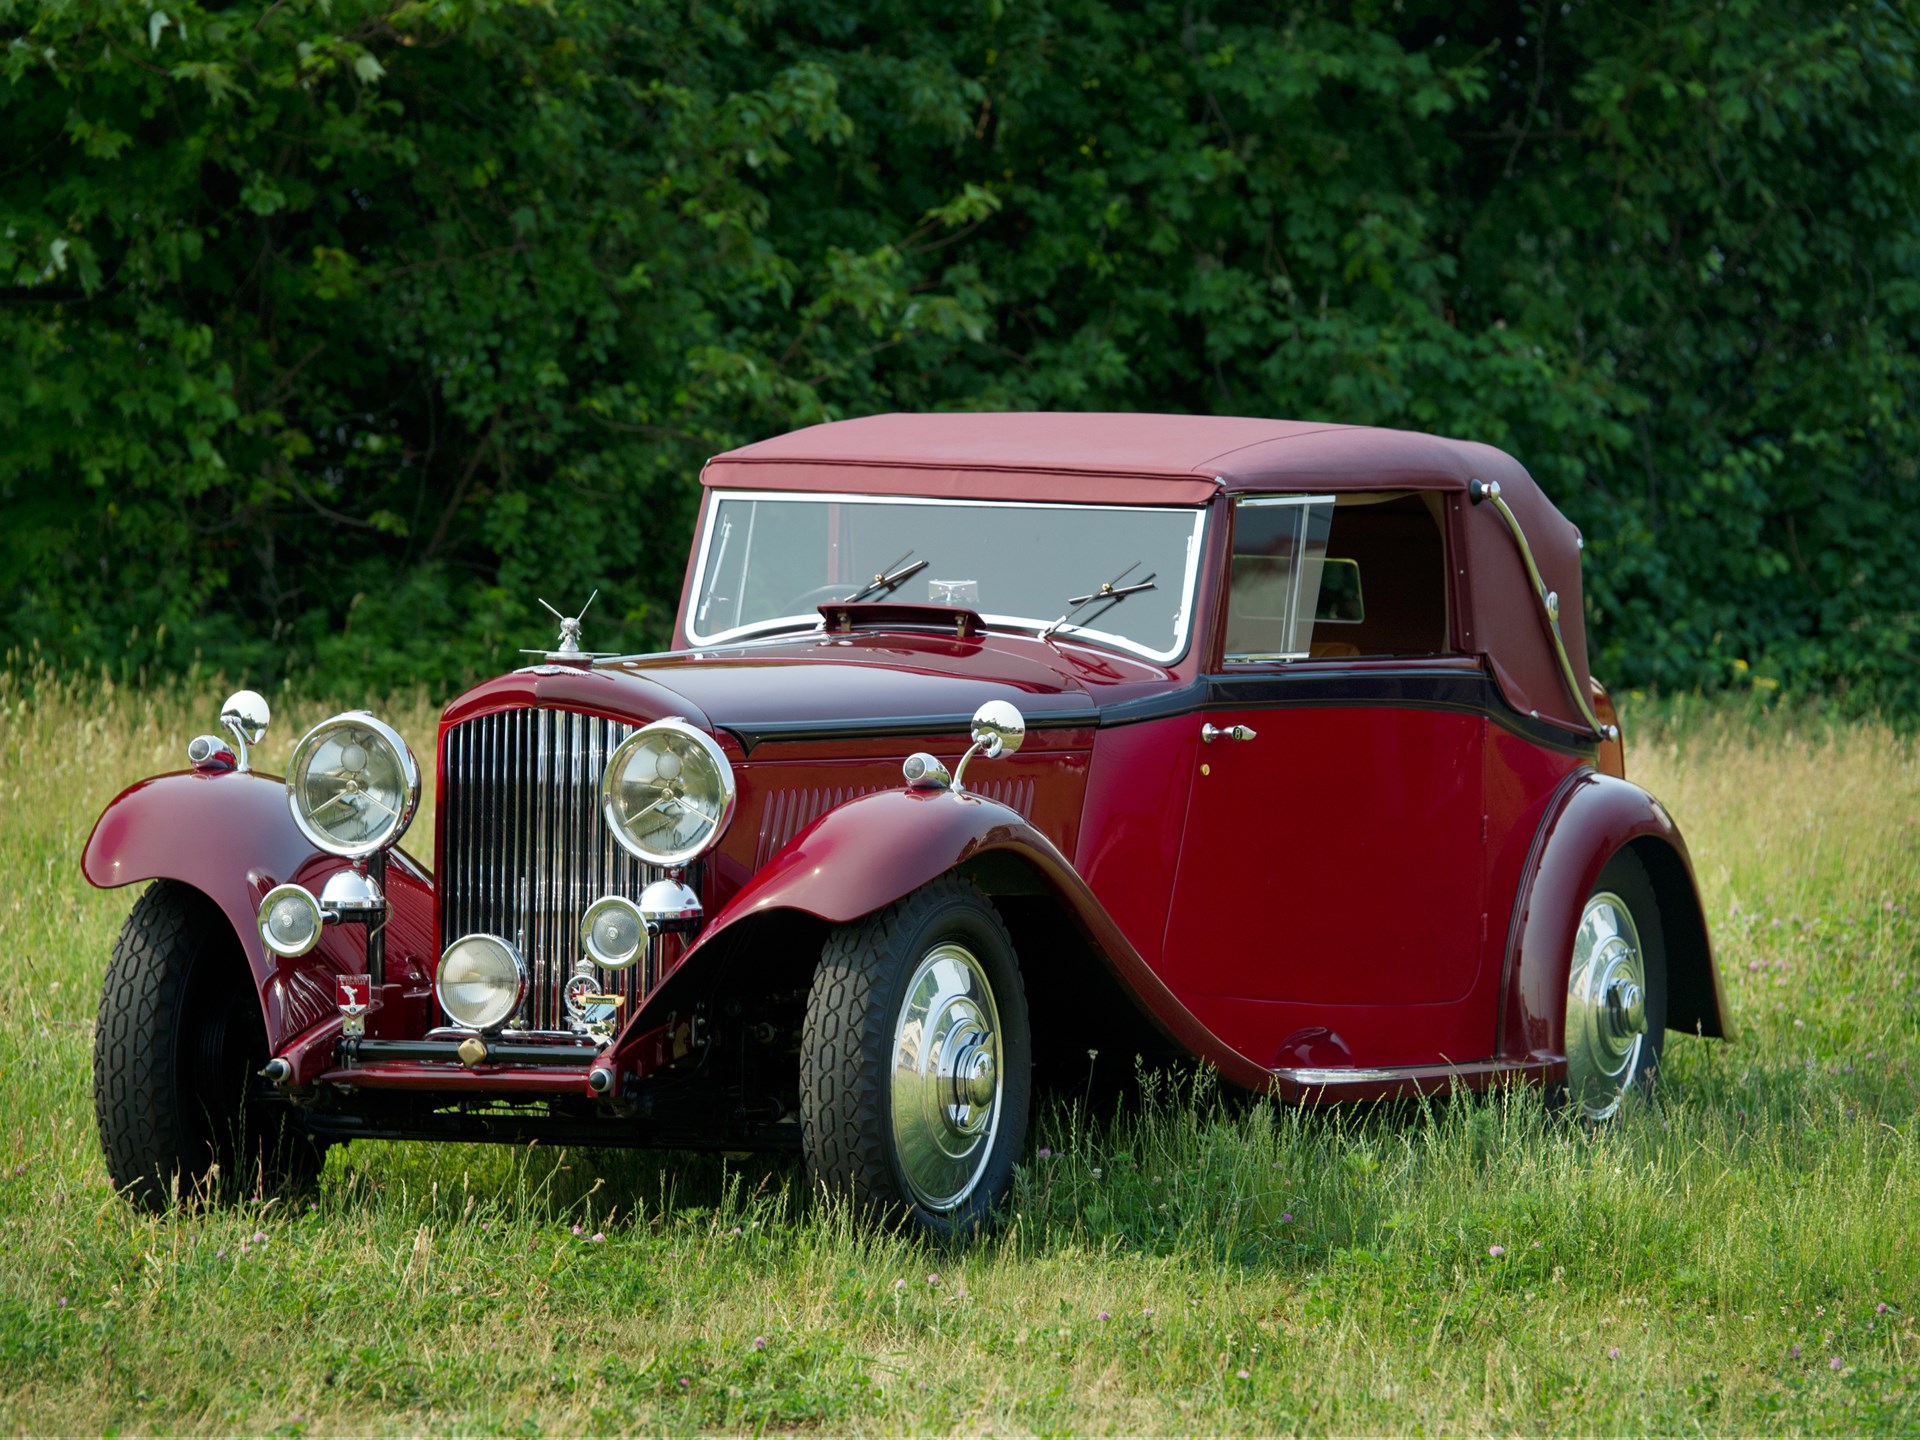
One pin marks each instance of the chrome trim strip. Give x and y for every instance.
(1314, 1077)
(1485, 490)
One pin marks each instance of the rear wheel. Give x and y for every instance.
(175, 1054)
(1616, 992)
(916, 1062)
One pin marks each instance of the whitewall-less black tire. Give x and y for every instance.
(176, 1051)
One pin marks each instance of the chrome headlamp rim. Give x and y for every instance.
(520, 970)
(589, 940)
(616, 764)
(272, 898)
(409, 771)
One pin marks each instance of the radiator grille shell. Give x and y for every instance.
(524, 848)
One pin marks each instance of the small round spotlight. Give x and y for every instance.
(613, 932)
(290, 921)
(481, 982)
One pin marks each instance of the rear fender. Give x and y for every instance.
(871, 851)
(1592, 819)
(231, 837)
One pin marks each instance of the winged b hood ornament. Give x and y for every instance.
(568, 651)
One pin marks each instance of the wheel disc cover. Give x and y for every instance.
(1606, 1000)
(947, 1077)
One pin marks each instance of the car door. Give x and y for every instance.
(1328, 896)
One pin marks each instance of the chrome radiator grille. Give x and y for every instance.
(525, 849)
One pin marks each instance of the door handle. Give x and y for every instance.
(1210, 733)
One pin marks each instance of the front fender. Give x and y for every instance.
(871, 851)
(231, 837)
(1592, 818)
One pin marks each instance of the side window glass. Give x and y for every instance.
(1279, 558)
(1318, 579)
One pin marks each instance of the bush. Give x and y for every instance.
(336, 334)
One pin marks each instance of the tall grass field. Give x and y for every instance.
(1740, 1256)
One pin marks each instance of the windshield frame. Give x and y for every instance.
(1070, 585)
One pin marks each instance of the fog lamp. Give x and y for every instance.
(290, 921)
(613, 932)
(481, 982)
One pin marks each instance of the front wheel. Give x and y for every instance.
(916, 1062)
(175, 1052)
(1616, 992)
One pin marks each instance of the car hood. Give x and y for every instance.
(816, 685)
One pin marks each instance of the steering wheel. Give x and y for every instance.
(818, 596)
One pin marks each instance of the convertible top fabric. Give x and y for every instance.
(1132, 459)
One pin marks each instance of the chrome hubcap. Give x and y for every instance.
(1606, 1007)
(946, 1077)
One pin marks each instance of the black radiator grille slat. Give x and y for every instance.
(526, 850)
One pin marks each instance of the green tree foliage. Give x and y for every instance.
(334, 333)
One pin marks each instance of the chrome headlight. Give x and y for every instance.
(481, 982)
(668, 793)
(352, 785)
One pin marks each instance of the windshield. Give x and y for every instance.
(769, 561)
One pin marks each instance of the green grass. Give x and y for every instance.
(1191, 1266)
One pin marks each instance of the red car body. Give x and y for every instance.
(1376, 893)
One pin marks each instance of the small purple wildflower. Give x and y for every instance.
(219, 1254)
(1496, 1251)
(1104, 1317)
(1793, 1352)
(63, 1302)
(1146, 1309)
(1043, 1153)
(1881, 1308)
(599, 1237)
(934, 1279)
(683, 1382)
(486, 1224)
(899, 1284)
(577, 1229)
(1613, 1353)
(1242, 1374)
(734, 1231)
(759, 1342)
(260, 1237)
(1835, 1363)
(1286, 1217)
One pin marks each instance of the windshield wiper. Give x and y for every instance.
(888, 580)
(1113, 592)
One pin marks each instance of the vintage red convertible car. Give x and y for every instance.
(986, 741)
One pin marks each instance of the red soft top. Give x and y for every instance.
(1132, 459)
